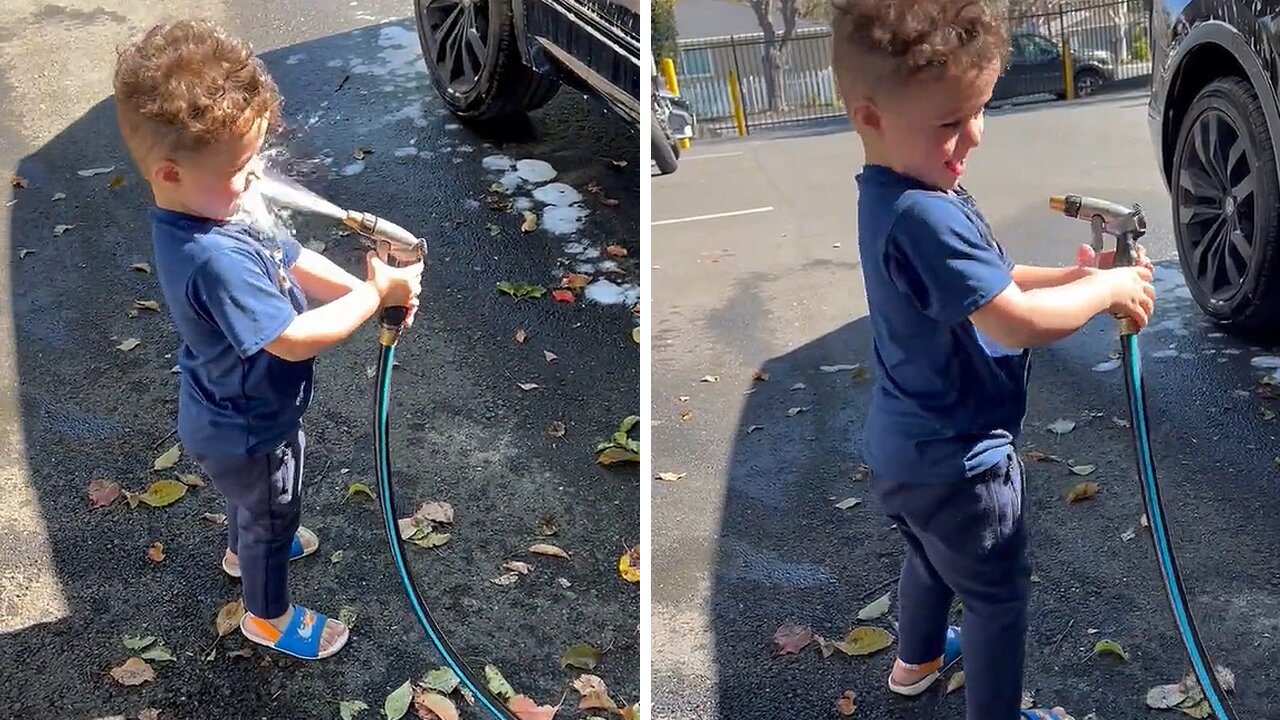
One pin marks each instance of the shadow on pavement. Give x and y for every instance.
(460, 433)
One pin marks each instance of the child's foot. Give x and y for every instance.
(910, 680)
(305, 542)
(295, 633)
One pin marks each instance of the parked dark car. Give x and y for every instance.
(491, 59)
(1036, 68)
(1214, 119)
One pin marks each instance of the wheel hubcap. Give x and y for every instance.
(1216, 204)
(457, 33)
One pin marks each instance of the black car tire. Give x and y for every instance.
(1087, 81)
(504, 85)
(1246, 304)
(664, 149)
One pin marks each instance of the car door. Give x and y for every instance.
(1013, 79)
(1042, 66)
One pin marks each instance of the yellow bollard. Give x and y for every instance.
(739, 115)
(1068, 68)
(673, 87)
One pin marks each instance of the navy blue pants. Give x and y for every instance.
(966, 539)
(264, 508)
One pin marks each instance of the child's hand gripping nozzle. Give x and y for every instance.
(1126, 224)
(396, 247)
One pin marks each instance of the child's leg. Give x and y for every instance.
(977, 540)
(233, 527)
(924, 601)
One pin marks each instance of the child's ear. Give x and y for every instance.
(867, 117)
(166, 172)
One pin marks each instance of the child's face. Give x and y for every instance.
(210, 182)
(929, 129)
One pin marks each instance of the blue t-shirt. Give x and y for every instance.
(948, 402)
(229, 293)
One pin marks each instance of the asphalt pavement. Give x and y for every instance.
(77, 408)
(746, 532)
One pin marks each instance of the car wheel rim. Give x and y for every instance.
(1216, 204)
(457, 33)
(1086, 85)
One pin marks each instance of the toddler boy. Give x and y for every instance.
(952, 319)
(194, 106)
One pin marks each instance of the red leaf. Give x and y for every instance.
(564, 296)
(792, 638)
(102, 493)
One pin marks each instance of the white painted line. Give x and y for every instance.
(713, 217)
(712, 155)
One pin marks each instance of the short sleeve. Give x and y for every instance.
(943, 260)
(236, 290)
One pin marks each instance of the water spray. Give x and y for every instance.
(397, 247)
(1127, 225)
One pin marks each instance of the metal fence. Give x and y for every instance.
(795, 83)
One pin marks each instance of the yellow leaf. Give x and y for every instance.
(629, 565)
(134, 671)
(169, 458)
(356, 488)
(1083, 491)
(956, 682)
(191, 480)
(229, 616)
(864, 640)
(615, 455)
(551, 550)
(163, 493)
(635, 335)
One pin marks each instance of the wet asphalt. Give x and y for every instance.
(76, 408)
(750, 538)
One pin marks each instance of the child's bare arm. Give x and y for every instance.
(1019, 319)
(315, 331)
(1034, 277)
(321, 279)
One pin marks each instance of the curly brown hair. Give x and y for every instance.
(182, 87)
(879, 45)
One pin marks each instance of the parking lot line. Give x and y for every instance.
(713, 217)
(711, 155)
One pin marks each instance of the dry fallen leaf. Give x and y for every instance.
(141, 267)
(575, 281)
(564, 296)
(548, 526)
(433, 706)
(58, 196)
(581, 656)
(60, 229)
(550, 356)
(18, 181)
(102, 493)
(23, 252)
(615, 455)
(134, 671)
(361, 152)
(90, 172)
(629, 565)
(847, 703)
(516, 566)
(1083, 491)
(521, 336)
(877, 608)
(865, 640)
(595, 695)
(671, 476)
(550, 550)
(151, 305)
(526, 709)
(160, 493)
(229, 616)
(168, 458)
(191, 480)
(616, 251)
(437, 512)
(215, 518)
(530, 222)
(155, 553)
(791, 638)
(556, 429)
(760, 376)
(955, 683)
(149, 714)
(129, 344)
(710, 378)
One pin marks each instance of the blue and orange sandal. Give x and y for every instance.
(298, 550)
(950, 656)
(301, 638)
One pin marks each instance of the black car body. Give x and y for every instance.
(1214, 121)
(491, 59)
(1035, 67)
